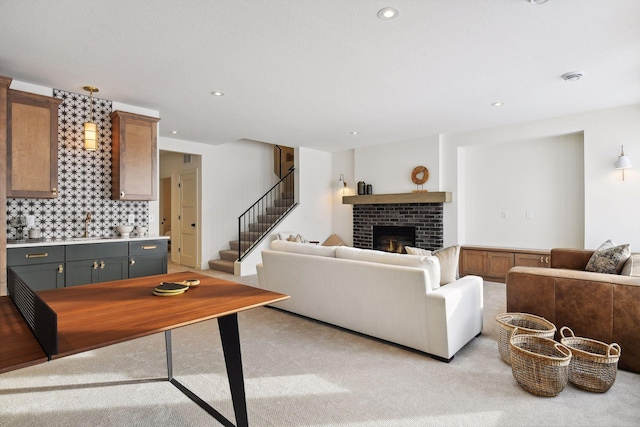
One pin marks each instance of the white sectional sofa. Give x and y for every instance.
(394, 297)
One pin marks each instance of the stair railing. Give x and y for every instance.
(250, 216)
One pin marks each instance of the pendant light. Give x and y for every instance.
(90, 128)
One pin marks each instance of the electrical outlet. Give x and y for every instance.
(152, 218)
(528, 215)
(131, 218)
(505, 215)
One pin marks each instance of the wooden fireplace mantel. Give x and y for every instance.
(383, 199)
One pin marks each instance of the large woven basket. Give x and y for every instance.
(526, 324)
(540, 365)
(594, 364)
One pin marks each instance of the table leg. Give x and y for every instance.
(228, 326)
(167, 342)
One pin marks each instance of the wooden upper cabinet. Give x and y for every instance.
(134, 156)
(32, 145)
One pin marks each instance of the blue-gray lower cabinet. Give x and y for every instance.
(147, 258)
(42, 267)
(95, 271)
(96, 262)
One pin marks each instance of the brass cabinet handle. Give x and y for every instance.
(44, 255)
(95, 265)
(541, 259)
(149, 247)
(546, 260)
(60, 268)
(122, 194)
(101, 265)
(133, 261)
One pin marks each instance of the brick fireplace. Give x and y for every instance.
(426, 218)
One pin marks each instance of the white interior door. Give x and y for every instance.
(188, 218)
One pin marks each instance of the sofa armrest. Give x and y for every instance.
(454, 315)
(260, 273)
(570, 259)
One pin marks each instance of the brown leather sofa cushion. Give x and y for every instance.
(572, 259)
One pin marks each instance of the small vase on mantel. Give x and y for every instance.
(361, 188)
(369, 189)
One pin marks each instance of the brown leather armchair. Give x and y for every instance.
(605, 307)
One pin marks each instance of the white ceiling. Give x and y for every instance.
(308, 72)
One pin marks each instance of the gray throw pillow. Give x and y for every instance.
(608, 258)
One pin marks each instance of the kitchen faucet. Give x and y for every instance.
(87, 219)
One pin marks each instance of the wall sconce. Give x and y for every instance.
(623, 162)
(90, 128)
(341, 183)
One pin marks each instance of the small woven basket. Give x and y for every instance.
(526, 324)
(540, 365)
(594, 364)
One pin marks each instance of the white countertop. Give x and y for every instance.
(28, 243)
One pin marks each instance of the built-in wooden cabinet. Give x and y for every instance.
(493, 263)
(32, 145)
(134, 156)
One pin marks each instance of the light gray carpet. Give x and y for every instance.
(301, 373)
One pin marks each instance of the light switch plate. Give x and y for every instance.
(152, 218)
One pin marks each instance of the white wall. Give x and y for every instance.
(526, 193)
(610, 205)
(388, 167)
(234, 175)
(342, 215)
(312, 218)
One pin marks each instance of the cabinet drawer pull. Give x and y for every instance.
(60, 268)
(149, 247)
(44, 255)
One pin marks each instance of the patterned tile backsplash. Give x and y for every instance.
(84, 179)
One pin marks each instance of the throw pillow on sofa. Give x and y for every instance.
(448, 258)
(632, 266)
(608, 258)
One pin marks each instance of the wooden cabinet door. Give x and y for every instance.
(499, 264)
(32, 145)
(531, 260)
(473, 262)
(134, 156)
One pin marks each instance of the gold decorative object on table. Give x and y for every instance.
(419, 176)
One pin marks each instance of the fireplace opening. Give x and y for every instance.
(390, 238)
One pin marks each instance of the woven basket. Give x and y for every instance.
(540, 365)
(526, 324)
(594, 364)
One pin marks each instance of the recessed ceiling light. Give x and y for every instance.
(572, 76)
(388, 13)
(497, 104)
(217, 93)
(355, 132)
(537, 1)
(175, 132)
